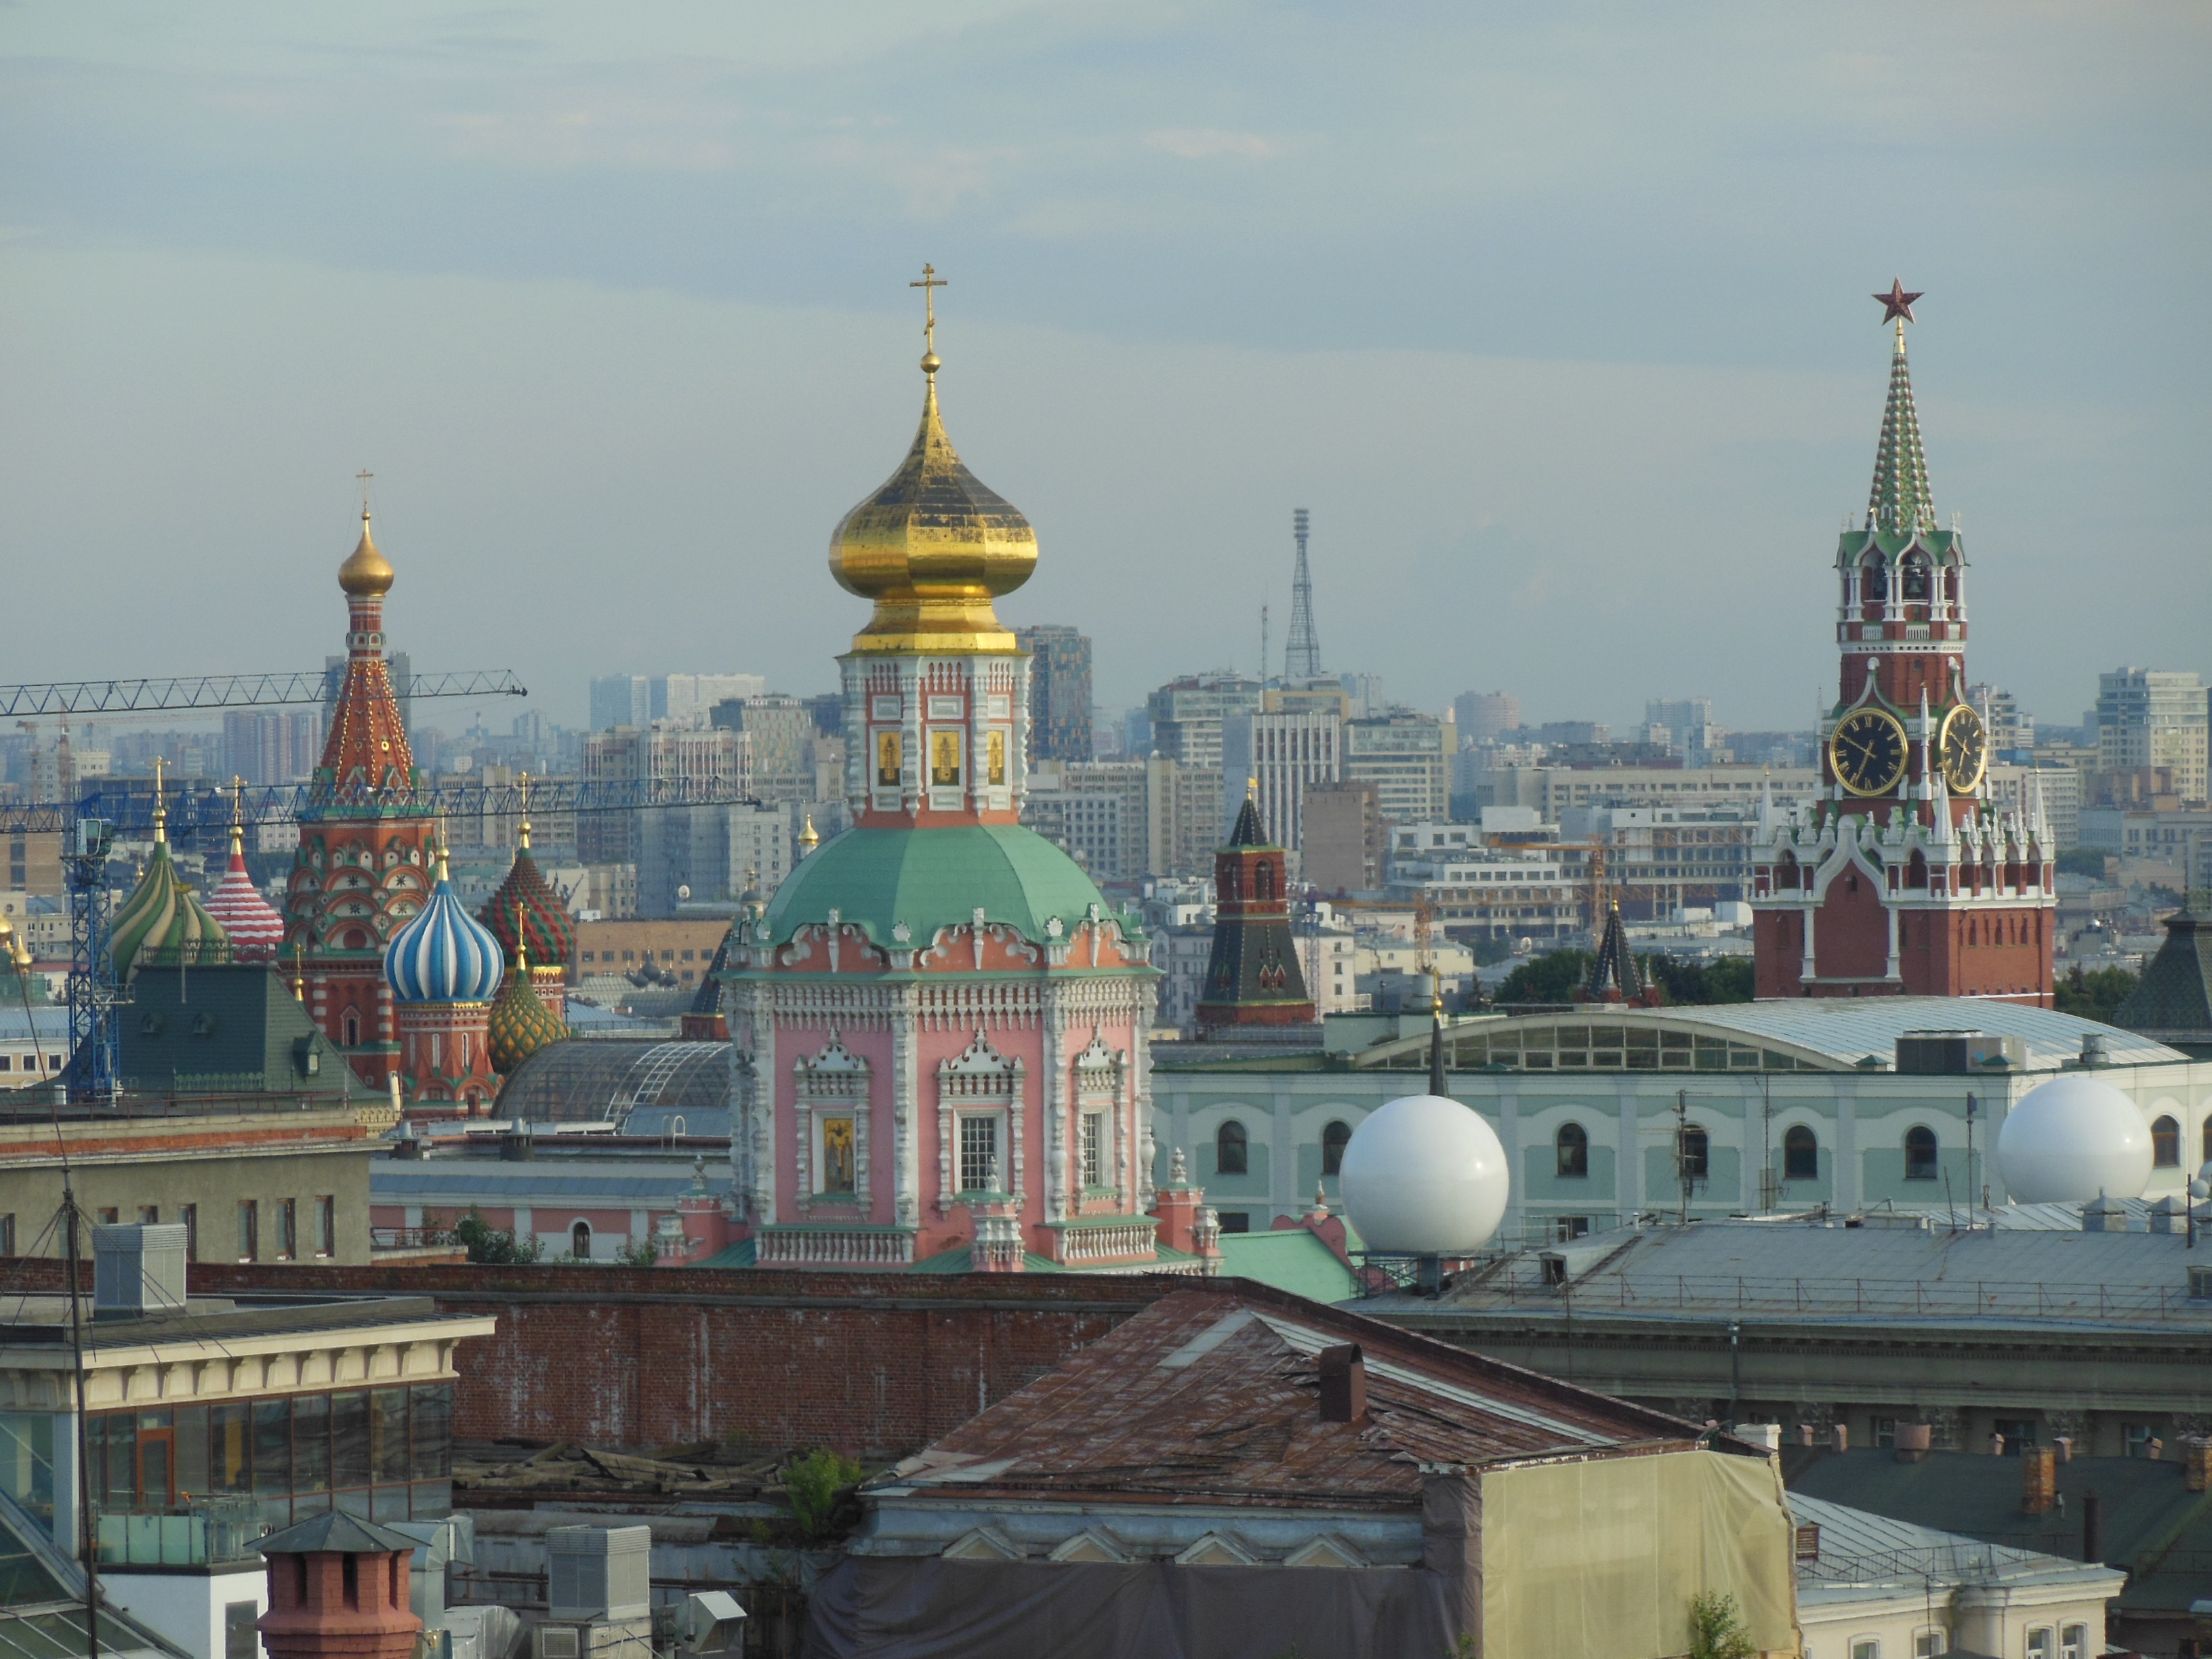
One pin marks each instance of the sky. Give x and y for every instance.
(1556, 318)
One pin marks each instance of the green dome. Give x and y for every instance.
(521, 1024)
(933, 878)
(163, 922)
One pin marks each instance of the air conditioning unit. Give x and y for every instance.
(595, 1573)
(137, 1269)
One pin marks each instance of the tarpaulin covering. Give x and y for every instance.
(926, 1607)
(1602, 1556)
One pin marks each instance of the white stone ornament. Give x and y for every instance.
(2072, 1139)
(1424, 1175)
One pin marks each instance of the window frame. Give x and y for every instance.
(1222, 1134)
(1335, 1136)
(1571, 1152)
(1797, 1138)
(996, 1116)
(1932, 1168)
(2165, 1142)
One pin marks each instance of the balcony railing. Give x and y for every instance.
(206, 1532)
(833, 1247)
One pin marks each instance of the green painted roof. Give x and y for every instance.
(227, 1030)
(164, 922)
(1290, 1258)
(933, 878)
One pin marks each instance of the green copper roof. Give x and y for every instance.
(1290, 1258)
(1900, 499)
(933, 878)
(163, 921)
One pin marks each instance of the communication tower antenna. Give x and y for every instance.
(1302, 652)
(1263, 645)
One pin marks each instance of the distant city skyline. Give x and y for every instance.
(1567, 350)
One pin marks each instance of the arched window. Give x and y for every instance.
(1334, 1139)
(1263, 879)
(1229, 1149)
(1920, 1154)
(2208, 1140)
(1801, 1155)
(579, 1240)
(2166, 1144)
(353, 1031)
(1695, 1152)
(1573, 1142)
(1916, 584)
(1916, 869)
(1874, 582)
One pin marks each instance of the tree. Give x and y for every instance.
(814, 1483)
(1716, 1629)
(1554, 976)
(2082, 861)
(492, 1247)
(2096, 994)
(1724, 979)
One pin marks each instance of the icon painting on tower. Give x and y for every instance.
(888, 761)
(944, 760)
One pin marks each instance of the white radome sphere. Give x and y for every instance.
(2071, 1139)
(1424, 1176)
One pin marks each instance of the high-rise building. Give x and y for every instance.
(780, 740)
(1186, 714)
(269, 749)
(1183, 817)
(2152, 717)
(1345, 838)
(1907, 878)
(1060, 691)
(681, 699)
(2012, 729)
(622, 700)
(1096, 811)
(1408, 757)
(1275, 757)
(715, 757)
(1481, 715)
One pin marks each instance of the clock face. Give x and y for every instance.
(1965, 749)
(1867, 750)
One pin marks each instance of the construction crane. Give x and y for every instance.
(90, 824)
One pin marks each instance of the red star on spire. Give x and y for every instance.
(1897, 302)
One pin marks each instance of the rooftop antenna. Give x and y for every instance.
(1263, 644)
(1302, 652)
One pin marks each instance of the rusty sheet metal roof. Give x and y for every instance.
(1212, 1396)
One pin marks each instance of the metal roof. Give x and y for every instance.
(1828, 1034)
(1815, 1270)
(481, 1181)
(603, 1079)
(1860, 1549)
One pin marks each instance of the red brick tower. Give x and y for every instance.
(1906, 879)
(1253, 977)
(362, 869)
(337, 1590)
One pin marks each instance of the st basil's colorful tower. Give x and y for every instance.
(444, 968)
(532, 921)
(363, 868)
(939, 1025)
(1906, 879)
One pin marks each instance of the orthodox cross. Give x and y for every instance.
(930, 280)
(365, 476)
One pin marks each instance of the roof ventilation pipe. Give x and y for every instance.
(1343, 1384)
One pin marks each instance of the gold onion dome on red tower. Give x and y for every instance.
(366, 573)
(934, 546)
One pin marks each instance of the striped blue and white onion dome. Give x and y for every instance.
(444, 954)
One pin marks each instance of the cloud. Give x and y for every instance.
(1214, 144)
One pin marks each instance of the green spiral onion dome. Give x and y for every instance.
(162, 923)
(521, 1024)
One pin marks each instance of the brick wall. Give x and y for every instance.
(874, 1365)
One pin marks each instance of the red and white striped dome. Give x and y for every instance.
(255, 928)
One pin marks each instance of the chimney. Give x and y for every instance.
(2093, 1527)
(338, 1590)
(2038, 1479)
(1912, 1442)
(2196, 1462)
(1343, 1384)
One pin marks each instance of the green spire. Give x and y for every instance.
(1900, 501)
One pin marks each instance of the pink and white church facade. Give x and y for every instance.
(939, 1024)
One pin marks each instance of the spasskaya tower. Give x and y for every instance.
(1906, 878)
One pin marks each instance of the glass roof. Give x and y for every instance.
(602, 1079)
(1820, 1034)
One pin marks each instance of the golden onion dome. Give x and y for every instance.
(366, 573)
(933, 548)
